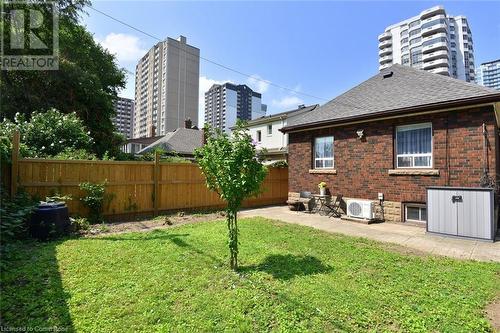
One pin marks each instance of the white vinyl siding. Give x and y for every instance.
(414, 146)
(323, 153)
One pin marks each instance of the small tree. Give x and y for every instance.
(95, 199)
(231, 169)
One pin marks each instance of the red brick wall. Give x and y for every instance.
(362, 165)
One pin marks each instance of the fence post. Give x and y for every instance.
(15, 163)
(156, 183)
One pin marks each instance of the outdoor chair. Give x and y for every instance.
(297, 201)
(333, 208)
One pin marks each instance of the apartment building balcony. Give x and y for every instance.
(383, 52)
(434, 47)
(436, 35)
(436, 28)
(381, 67)
(435, 55)
(435, 64)
(384, 44)
(386, 59)
(431, 12)
(440, 70)
(384, 36)
(433, 18)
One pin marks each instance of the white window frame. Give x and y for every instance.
(269, 127)
(431, 154)
(414, 205)
(324, 158)
(258, 136)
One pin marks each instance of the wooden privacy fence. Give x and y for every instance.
(135, 187)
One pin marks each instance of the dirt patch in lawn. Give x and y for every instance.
(160, 222)
(493, 314)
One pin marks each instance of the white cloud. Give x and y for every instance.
(126, 47)
(258, 84)
(287, 102)
(205, 84)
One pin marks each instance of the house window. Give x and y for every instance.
(414, 146)
(259, 136)
(269, 129)
(415, 213)
(323, 152)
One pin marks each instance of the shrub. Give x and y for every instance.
(14, 213)
(47, 134)
(279, 164)
(94, 200)
(80, 224)
(75, 154)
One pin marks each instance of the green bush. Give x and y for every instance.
(14, 213)
(279, 164)
(94, 200)
(75, 154)
(80, 224)
(5, 149)
(47, 134)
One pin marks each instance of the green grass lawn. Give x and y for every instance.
(292, 278)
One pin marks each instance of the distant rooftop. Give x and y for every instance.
(490, 62)
(286, 114)
(182, 141)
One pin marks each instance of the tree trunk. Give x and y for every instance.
(232, 225)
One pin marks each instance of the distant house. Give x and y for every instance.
(265, 131)
(133, 146)
(397, 133)
(181, 142)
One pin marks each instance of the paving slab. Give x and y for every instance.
(412, 237)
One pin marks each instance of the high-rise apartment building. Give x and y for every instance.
(432, 41)
(123, 120)
(488, 74)
(225, 103)
(166, 88)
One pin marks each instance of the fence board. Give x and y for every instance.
(132, 184)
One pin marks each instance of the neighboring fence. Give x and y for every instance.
(136, 187)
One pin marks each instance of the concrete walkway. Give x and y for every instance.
(413, 237)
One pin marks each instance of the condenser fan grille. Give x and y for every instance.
(355, 209)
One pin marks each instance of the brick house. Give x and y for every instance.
(397, 133)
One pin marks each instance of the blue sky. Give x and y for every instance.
(319, 48)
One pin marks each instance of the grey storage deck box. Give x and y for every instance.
(461, 211)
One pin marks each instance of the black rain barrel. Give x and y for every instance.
(50, 220)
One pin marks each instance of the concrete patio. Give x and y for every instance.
(413, 237)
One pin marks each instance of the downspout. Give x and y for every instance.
(447, 151)
(486, 180)
(283, 137)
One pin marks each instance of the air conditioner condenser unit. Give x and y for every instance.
(362, 209)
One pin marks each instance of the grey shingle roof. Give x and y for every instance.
(405, 89)
(182, 140)
(145, 141)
